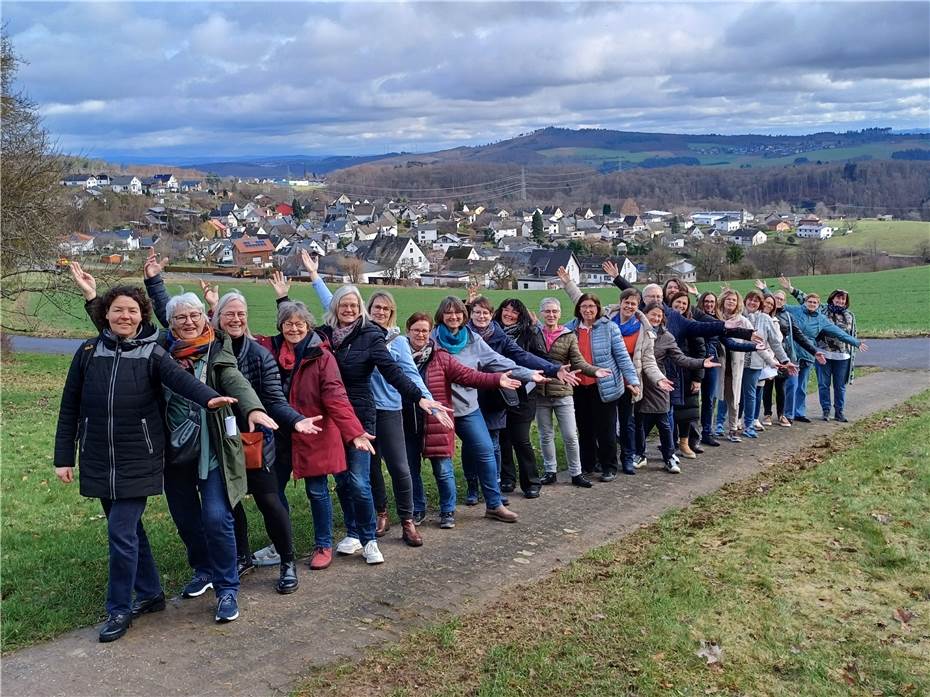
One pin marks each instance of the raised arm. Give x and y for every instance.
(158, 294)
(568, 285)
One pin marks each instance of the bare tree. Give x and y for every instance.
(352, 267)
(811, 254)
(710, 260)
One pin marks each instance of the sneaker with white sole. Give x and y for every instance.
(266, 556)
(672, 467)
(640, 463)
(348, 545)
(227, 609)
(197, 586)
(372, 554)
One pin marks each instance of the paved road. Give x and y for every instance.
(910, 354)
(349, 607)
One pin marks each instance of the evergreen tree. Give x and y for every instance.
(298, 211)
(675, 226)
(606, 209)
(539, 232)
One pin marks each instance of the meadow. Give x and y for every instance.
(886, 303)
(892, 236)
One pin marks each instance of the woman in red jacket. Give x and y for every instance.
(425, 435)
(313, 386)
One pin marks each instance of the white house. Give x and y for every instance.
(502, 231)
(444, 242)
(683, 269)
(812, 228)
(427, 233)
(86, 181)
(126, 185)
(747, 237)
(727, 223)
(706, 218)
(674, 242)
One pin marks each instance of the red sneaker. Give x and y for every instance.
(321, 558)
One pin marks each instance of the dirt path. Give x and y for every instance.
(341, 611)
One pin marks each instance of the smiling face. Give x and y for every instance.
(348, 310)
(188, 322)
(768, 306)
(509, 316)
(588, 311)
(454, 319)
(551, 314)
(294, 329)
(655, 316)
(234, 319)
(680, 304)
(124, 317)
(671, 289)
(812, 303)
(382, 311)
(779, 297)
(418, 334)
(652, 294)
(628, 307)
(751, 303)
(709, 304)
(730, 303)
(480, 317)
(840, 299)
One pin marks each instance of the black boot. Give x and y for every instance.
(142, 607)
(287, 582)
(582, 481)
(115, 627)
(244, 565)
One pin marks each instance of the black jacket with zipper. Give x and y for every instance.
(112, 414)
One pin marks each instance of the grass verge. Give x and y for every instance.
(812, 578)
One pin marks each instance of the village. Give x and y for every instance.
(203, 227)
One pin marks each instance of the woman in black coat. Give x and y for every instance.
(112, 414)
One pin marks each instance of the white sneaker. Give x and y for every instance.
(675, 460)
(371, 553)
(758, 425)
(640, 463)
(673, 468)
(348, 545)
(266, 556)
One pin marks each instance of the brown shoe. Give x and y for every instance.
(411, 535)
(383, 524)
(501, 513)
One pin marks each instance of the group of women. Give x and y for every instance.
(208, 412)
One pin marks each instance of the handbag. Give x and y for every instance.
(184, 440)
(252, 448)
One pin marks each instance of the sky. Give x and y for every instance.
(223, 79)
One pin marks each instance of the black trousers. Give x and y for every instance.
(391, 446)
(778, 387)
(597, 430)
(516, 438)
(263, 486)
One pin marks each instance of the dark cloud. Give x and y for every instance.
(235, 78)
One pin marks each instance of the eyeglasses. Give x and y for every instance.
(294, 325)
(419, 331)
(184, 319)
(233, 315)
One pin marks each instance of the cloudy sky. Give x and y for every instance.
(227, 79)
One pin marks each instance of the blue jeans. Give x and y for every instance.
(442, 471)
(354, 490)
(790, 387)
(205, 523)
(478, 455)
(721, 415)
(626, 429)
(800, 395)
(132, 566)
(750, 378)
(708, 390)
(834, 371)
(321, 508)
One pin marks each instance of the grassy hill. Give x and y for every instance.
(892, 236)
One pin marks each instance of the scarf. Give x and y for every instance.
(421, 357)
(340, 334)
(631, 326)
(836, 309)
(483, 333)
(186, 351)
(286, 356)
(453, 343)
(550, 337)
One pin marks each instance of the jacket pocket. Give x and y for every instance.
(148, 439)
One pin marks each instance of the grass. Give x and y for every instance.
(892, 236)
(886, 303)
(811, 579)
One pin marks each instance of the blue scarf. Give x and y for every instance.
(453, 343)
(631, 326)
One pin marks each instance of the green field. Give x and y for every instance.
(886, 303)
(892, 236)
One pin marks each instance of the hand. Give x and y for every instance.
(666, 385)
(692, 290)
(84, 281)
(820, 358)
(563, 275)
(757, 339)
(509, 383)
(472, 292)
(611, 269)
(152, 266)
(431, 406)
(696, 384)
(259, 418)
(734, 322)
(759, 284)
(308, 426)
(310, 263)
(539, 378)
(790, 367)
(635, 390)
(864, 347)
(709, 362)
(280, 284)
(363, 442)
(785, 283)
(568, 376)
(218, 402)
(604, 373)
(65, 474)
(210, 293)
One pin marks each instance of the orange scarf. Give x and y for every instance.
(186, 351)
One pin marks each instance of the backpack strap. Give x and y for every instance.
(88, 352)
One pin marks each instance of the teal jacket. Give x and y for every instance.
(815, 323)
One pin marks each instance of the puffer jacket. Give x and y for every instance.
(564, 351)
(815, 323)
(669, 358)
(440, 371)
(112, 413)
(609, 351)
